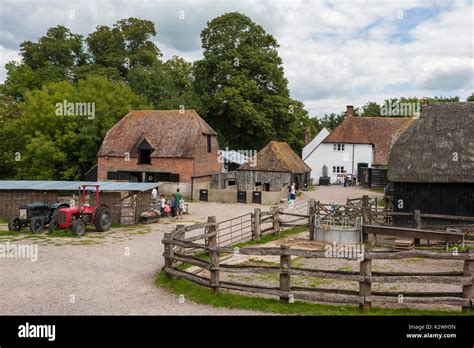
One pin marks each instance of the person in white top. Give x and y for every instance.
(154, 195)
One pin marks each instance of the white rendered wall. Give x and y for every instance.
(324, 154)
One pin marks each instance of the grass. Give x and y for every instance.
(377, 189)
(202, 295)
(4, 220)
(270, 237)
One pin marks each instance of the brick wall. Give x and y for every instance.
(206, 162)
(10, 200)
(181, 166)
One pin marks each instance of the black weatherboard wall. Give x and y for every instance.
(434, 198)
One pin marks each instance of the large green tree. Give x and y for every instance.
(242, 87)
(167, 85)
(55, 145)
(117, 49)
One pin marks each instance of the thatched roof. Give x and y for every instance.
(277, 157)
(377, 131)
(426, 150)
(170, 133)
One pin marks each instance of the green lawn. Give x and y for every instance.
(202, 295)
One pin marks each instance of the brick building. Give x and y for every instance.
(176, 148)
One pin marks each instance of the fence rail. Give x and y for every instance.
(176, 244)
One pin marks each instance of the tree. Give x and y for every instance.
(242, 87)
(167, 85)
(470, 98)
(370, 109)
(330, 121)
(9, 112)
(58, 145)
(55, 57)
(123, 46)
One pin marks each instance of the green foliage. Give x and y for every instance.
(167, 85)
(242, 86)
(64, 147)
(470, 98)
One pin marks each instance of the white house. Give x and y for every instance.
(357, 140)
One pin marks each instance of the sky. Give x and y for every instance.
(335, 52)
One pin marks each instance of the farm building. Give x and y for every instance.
(432, 162)
(173, 147)
(274, 167)
(126, 200)
(356, 143)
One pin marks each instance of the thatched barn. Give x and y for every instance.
(432, 162)
(272, 168)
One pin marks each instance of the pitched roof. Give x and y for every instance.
(426, 151)
(377, 131)
(170, 133)
(277, 157)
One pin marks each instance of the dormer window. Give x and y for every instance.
(144, 152)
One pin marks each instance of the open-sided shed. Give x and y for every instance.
(125, 199)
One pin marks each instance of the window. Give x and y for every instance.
(112, 176)
(209, 149)
(338, 169)
(338, 147)
(144, 152)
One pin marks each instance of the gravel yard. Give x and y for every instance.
(113, 272)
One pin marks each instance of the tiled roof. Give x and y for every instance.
(377, 131)
(277, 157)
(171, 133)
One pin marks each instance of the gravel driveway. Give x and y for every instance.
(113, 272)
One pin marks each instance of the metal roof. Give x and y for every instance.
(74, 185)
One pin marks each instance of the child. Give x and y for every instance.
(162, 205)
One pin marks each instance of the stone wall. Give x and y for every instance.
(246, 179)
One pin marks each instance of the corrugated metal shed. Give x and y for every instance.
(74, 185)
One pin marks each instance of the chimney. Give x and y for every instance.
(350, 110)
(307, 136)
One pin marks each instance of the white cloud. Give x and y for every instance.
(334, 52)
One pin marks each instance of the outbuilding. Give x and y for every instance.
(431, 163)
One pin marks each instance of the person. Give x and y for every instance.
(162, 205)
(345, 178)
(178, 203)
(154, 195)
(292, 195)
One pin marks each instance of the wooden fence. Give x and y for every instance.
(204, 238)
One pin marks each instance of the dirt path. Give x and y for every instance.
(111, 273)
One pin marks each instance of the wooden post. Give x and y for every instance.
(417, 218)
(180, 236)
(311, 218)
(214, 256)
(468, 290)
(365, 217)
(365, 286)
(257, 225)
(168, 253)
(276, 220)
(285, 281)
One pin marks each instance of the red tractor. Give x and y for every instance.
(78, 217)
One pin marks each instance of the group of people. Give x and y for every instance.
(173, 205)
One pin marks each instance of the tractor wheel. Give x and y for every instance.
(78, 227)
(102, 219)
(36, 224)
(53, 224)
(14, 224)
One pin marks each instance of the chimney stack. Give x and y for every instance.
(307, 136)
(350, 110)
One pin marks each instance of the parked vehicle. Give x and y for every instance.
(35, 215)
(77, 217)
